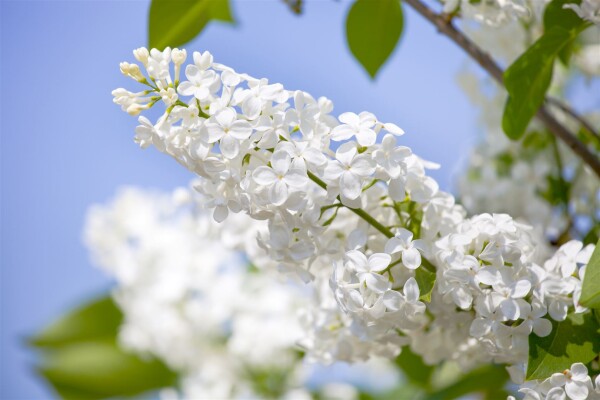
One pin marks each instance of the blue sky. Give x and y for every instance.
(65, 145)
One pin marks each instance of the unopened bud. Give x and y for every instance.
(141, 55)
(178, 56)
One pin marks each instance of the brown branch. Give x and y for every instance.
(573, 114)
(446, 27)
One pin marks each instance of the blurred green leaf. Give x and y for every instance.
(590, 291)
(426, 282)
(489, 381)
(575, 339)
(100, 369)
(556, 15)
(529, 77)
(557, 191)
(373, 28)
(176, 22)
(592, 236)
(414, 368)
(99, 319)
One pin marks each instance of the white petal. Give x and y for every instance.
(356, 239)
(393, 246)
(576, 390)
(393, 300)
(342, 132)
(519, 289)
(393, 129)
(556, 393)
(230, 78)
(333, 170)
(510, 309)
(349, 118)
(488, 276)
(296, 175)
(558, 379)
(230, 147)
(411, 290)
(314, 156)
(379, 261)
(278, 193)
(240, 130)
(480, 327)
(350, 185)
(215, 132)
(264, 175)
(542, 327)
(397, 189)
(193, 73)
(362, 166)
(280, 162)
(411, 258)
(462, 298)
(366, 137)
(186, 88)
(377, 283)
(579, 371)
(225, 117)
(558, 310)
(220, 213)
(346, 152)
(405, 236)
(358, 259)
(251, 107)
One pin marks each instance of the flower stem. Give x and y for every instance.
(372, 221)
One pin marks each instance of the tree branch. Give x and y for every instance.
(487, 63)
(569, 111)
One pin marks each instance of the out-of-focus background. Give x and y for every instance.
(65, 145)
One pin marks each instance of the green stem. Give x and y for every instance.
(361, 213)
(372, 221)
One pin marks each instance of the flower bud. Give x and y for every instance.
(136, 108)
(141, 55)
(178, 56)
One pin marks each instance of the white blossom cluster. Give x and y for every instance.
(572, 384)
(360, 218)
(189, 298)
(492, 12)
(495, 13)
(517, 178)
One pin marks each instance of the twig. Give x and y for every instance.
(569, 111)
(487, 63)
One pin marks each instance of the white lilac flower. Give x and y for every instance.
(228, 131)
(283, 174)
(403, 243)
(361, 126)
(264, 152)
(351, 169)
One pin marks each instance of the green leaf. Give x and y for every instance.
(590, 291)
(556, 15)
(575, 339)
(414, 368)
(96, 320)
(426, 282)
(176, 22)
(100, 369)
(528, 79)
(488, 380)
(373, 28)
